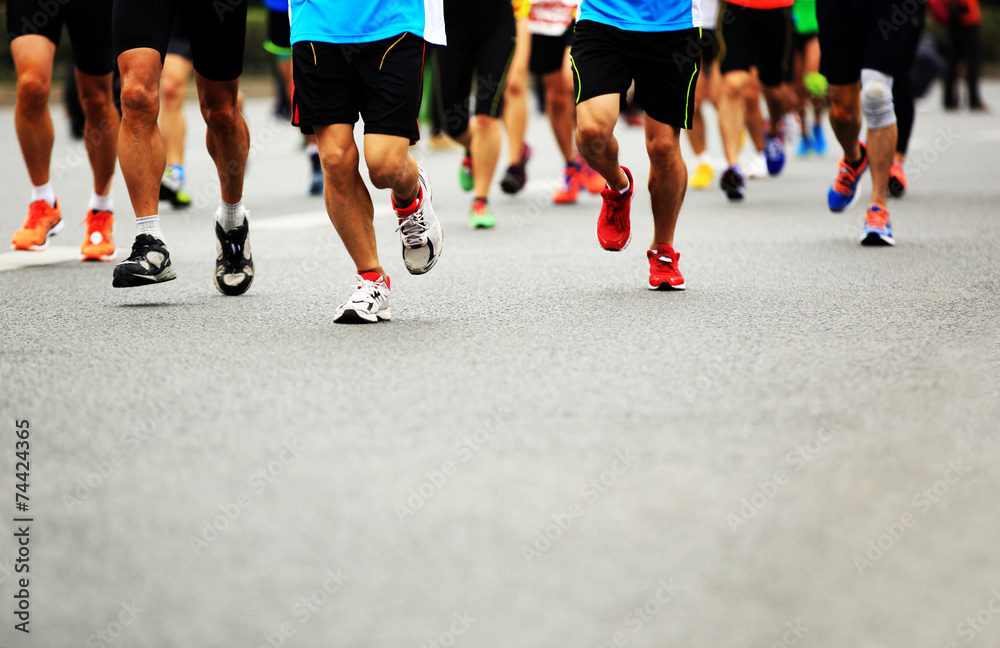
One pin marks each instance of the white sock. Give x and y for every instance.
(627, 187)
(704, 158)
(229, 217)
(44, 192)
(101, 203)
(149, 225)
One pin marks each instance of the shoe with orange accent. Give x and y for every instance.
(589, 179)
(897, 180)
(614, 229)
(664, 269)
(878, 227)
(844, 190)
(44, 220)
(566, 195)
(98, 245)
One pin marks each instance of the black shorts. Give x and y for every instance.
(856, 34)
(548, 52)
(801, 40)
(664, 66)
(711, 49)
(381, 81)
(217, 31)
(87, 21)
(180, 43)
(474, 52)
(756, 37)
(279, 32)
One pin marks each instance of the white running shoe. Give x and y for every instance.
(757, 167)
(420, 231)
(369, 303)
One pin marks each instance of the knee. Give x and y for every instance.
(515, 87)
(592, 134)
(140, 98)
(33, 89)
(339, 161)
(734, 86)
(483, 123)
(95, 101)
(662, 150)
(386, 173)
(843, 114)
(173, 92)
(876, 99)
(221, 115)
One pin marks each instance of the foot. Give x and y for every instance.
(465, 173)
(757, 167)
(419, 230)
(233, 260)
(517, 175)
(664, 269)
(148, 263)
(878, 227)
(567, 194)
(819, 140)
(897, 180)
(805, 146)
(614, 227)
(733, 183)
(172, 188)
(702, 176)
(98, 245)
(480, 215)
(43, 221)
(844, 192)
(774, 151)
(369, 303)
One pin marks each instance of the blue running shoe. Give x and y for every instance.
(805, 145)
(878, 227)
(844, 190)
(774, 150)
(819, 140)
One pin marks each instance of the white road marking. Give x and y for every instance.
(305, 220)
(17, 259)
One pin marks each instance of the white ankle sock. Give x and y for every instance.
(229, 217)
(149, 225)
(44, 192)
(101, 203)
(704, 158)
(627, 187)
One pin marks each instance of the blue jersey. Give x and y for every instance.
(351, 21)
(643, 15)
(276, 5)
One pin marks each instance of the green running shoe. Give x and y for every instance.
(480, 216)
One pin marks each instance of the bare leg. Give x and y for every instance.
(559, 108)
(515, 111)
(881, 146)
(732, 112)
(100, 131)
(390, 166)
(173, 91)
(33, 57)
(667, 179)
(845, 118)
(483, 141)
(140, 146)
(228, 137)
(697, 133)
(596, 119)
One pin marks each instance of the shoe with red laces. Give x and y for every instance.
(897, 180)
(589, 179)
(98, 245)
(566, 195)
(878, 227)
(614, 229)
(44, 220)
(664, 269)
(844, 191)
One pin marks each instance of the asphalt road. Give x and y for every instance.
(537, 451)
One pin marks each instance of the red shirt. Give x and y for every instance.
(762, 4)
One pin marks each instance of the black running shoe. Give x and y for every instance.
(234, 263)
(149, 263)
(733, 184)
(517, 176)
(172, 190)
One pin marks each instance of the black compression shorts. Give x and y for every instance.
(548, 52)
(217, 31)
(856, 34)
(755, 37)
(87, 21)
(179, 43)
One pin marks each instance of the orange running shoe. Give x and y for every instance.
(566, 195)
(590, 180)
(43, 221)
(98, 245)
(897, 180)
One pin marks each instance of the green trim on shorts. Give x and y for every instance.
(687, 100)
(495, 108)
(579, 81)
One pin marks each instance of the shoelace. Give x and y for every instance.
(36, 212)
(845, 178)
(876, 218)
(616, 215)
(413, 228)
(98, 222)
(664, 262)
(366, 290)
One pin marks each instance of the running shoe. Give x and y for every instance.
(465, 173)
(369, 303)
(878, 227)
(819, 140)
(703, 176)
(172, 188)
(805, 145)
(480, 215)
(844, 192)
(614, 229)
(774, 151)
(733, 183)
(43, 221)
(897, 180)
(233, 260)
(419, 229)
(590, 180)
(517, 175)
(98, 244)
(567, 194)
(148, 263)
(664, 269)
(757, 167)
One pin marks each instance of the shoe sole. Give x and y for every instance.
(352, 316)
(665, 287)
(871, 239)
(475, 226)
(98, 257)
(614, 249)
(41, 248)
(896, 188)
(133, 281)
(734, 194)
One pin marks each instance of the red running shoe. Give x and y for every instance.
(614, 230)
(664, 269)
(897, 180)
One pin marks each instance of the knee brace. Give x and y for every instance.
(876, 99)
